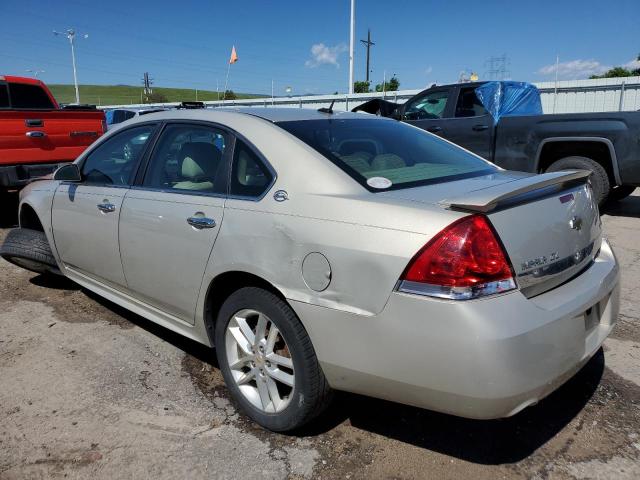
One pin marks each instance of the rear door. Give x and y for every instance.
(85, 215)
(35, 131)
(471, 126)
(171, 218)
(428, 110)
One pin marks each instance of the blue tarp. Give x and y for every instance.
(503, 99)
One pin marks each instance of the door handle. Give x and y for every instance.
(106, 207)
(34, 122)
(434, 129)
(201, 222)
(480, 128)
(35, 134)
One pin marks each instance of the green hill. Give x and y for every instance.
(126, 94)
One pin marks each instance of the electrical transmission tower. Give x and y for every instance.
(368, 43)
(497, 68)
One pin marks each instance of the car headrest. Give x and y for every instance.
(199, 160)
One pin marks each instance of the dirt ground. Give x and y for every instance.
(88, 390)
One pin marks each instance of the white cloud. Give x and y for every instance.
(428, 71)
(632, 65)
(575, 69)
(324, 55)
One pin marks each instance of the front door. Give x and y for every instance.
(85, 215)
(170, 221)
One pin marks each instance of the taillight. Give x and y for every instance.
(465, 260)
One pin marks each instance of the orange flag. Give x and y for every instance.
(234, 55)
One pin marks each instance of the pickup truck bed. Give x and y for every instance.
(36, 135)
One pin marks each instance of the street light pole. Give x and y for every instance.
(71, 35)
(352, 41)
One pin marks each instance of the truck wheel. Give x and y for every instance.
(621, 192)
(268, 362)
(599, 178)
(30, 250)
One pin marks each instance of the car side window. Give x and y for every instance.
(250, 177)
(114, 161)
(431, 105)
(189, 158)
(469, 105)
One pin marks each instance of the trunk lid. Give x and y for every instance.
(549, 224)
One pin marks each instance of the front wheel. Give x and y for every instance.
(268, 362)
(30, 250)
(599, 178)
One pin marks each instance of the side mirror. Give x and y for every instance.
(68, 173)
(397, 113)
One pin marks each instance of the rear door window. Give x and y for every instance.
(29, 96)
(469, 105)
(189, 159)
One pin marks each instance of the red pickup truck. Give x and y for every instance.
(36, 134)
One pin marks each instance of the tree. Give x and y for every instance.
(619, 72)
(229, 95)
(361, 87)
(155, 98)
(391, 86)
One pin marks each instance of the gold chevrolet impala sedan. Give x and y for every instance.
(321, 251)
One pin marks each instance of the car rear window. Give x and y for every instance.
(29, 96)
(387, 155)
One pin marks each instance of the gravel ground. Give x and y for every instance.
(89, 390)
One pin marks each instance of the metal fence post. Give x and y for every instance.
(346, 103)
(621, 105)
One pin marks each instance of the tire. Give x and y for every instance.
(293, 405)
(599, 178)
(30, 250)
(621, 192)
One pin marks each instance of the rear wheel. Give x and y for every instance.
(268, 362)
(621, 192)
(30, 250)
(599, 178)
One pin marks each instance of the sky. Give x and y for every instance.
(304, 44)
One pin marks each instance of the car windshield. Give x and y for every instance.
(387, 155)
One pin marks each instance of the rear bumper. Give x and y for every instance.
(484, 359)
(20, 175)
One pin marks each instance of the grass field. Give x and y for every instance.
(126, 94)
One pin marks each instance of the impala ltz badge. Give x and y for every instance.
(575, 223)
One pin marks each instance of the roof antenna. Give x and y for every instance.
(328, 110)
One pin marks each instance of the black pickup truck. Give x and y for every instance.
(608, 144)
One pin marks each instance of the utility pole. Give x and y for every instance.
(352, 41)
(368, 43)
(71, 35)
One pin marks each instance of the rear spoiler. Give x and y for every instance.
(488, 199)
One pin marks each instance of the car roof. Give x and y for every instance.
(294, 114)
(272, 115)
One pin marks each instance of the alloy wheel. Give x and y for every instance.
(259, 359)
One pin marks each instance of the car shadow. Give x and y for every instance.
(489, 442)
(55, 282)
(8, 209)
(629, 207)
